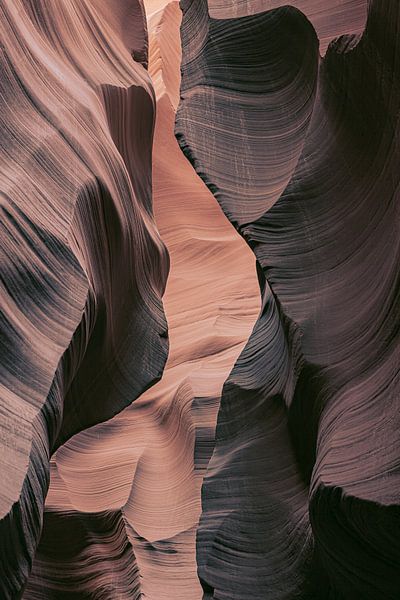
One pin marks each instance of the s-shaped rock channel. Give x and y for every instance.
(129, 489)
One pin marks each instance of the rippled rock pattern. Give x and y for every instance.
(83, 267)
(301, 496)
(124, 501)
(261, 459)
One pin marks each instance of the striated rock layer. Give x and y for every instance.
(124, 501)
(301, 496)
(330, 18)
(299, 474)
(83, 268)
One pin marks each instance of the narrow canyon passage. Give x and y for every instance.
(148, 462)
(165, 433)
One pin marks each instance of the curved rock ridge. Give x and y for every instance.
(301, 496)
(262, 90)
(88, 554)
(330, 18)
(83, 267)
(125, 494)
(127, 21)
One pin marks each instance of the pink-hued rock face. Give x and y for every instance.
(84, 268)
(127, 21)
(134, 482)
(200, 302)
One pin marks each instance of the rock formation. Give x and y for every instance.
(236, 164)
(83, 267)
(124, 501)
(301, 496)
